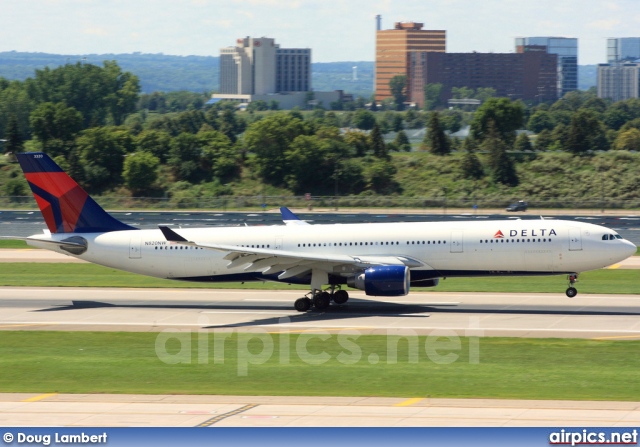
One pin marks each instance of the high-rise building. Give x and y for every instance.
(394, 48)
(528, 76)
(623, 49)
(293, 70)
(619, 80)
(567, 50)
(257, 69)
(257, 66)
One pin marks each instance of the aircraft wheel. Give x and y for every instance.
(340, 297)
(321, 300)
(302, 304)
(571, 292)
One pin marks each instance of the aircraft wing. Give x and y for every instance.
(291, 263)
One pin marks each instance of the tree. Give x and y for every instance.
(140, 171)
(471, 166)
(377, 143)
(56, 126)
(380, 177)
(396, 123)
(432, 94)
(100, 157)
(435, 140)
(540, 121)
(506, 115)
(401, 142)
(14, 141)
(257, 106)
(155, 142)
(359, 142)
(617, 115)
(364, 119)
(543, 141)
(98, 93)
(184, 158)
(484, 93)
(586, 133)
(628, 140)
(219, 158)
(308, 167)
(398, 87)
(269, 139)
(451, 121)
(502, 167)
(523, 144)
(462, 93)
(229, 124)
(122, 92)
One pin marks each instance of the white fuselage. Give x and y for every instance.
(517, 247)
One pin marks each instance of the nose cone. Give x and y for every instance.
(629, 249)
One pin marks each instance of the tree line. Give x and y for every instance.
(97, 126)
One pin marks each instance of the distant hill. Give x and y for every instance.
(161, 72)
(157, 72)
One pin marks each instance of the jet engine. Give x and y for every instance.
(383, 280)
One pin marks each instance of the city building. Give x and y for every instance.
(623, 49)
(394, 49)
(619, 80)
(258, 69)
(567, 50)
(529, 76)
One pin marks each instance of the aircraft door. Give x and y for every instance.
(278, 243)
(456, 241)
(135, 248)
(575, 239)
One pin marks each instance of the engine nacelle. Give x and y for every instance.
(383, 280)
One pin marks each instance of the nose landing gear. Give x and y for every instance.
(572, 291)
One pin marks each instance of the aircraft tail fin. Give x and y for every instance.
(65, 206)
(289, 218)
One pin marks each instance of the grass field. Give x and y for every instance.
(92, 362)
(91, 275)
(11, 243)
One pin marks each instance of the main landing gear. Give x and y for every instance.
(321, 299)
(572, 291)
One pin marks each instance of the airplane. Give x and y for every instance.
(382, 259)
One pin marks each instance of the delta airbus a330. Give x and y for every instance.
(383, 259)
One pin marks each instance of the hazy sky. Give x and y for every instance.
(335, 30)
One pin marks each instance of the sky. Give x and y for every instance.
(335, 30)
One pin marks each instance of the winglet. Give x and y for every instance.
(65, 206)
(289, 218)
(171, 235)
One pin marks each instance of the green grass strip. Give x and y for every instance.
(12, 243)
(91, 275)
(513, 368)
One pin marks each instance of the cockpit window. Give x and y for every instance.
(611, 237)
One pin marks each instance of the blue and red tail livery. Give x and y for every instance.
(66, 207)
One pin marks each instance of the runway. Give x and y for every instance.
(91, 410)
(466, 314)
